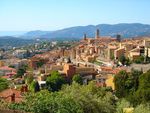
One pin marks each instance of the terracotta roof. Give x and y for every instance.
(111, 70)
(11, 73)
(8, 92)
(6, 77)
(135, 50)
(7, 68)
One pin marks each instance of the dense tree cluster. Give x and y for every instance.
(78, 79)
(21, 71)
(3, 84)
(124, 60)
(40, 63)
(139, 60)
(54, 81)
(134, 86)
(132, 94)
(73, 98)
(34, 86)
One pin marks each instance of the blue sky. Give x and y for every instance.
(26, 15)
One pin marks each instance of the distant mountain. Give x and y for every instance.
(6, 41)
(126, 30)
(35, 34)
(12, 33)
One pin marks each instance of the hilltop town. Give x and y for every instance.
(96, 59)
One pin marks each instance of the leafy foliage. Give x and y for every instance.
(3, 104)
(78, 79)
(133, 86)
(143, 92)
(121, 104)
(21, 71)
(139, 60)
(34, 86)
(29, 79)
(124, 60)
(142, 108)
(55, 81)
(120, 80)
(3, 84)
(40, 63)
(73, 98)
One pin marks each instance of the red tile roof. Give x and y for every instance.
(7, 68)
(6, 95)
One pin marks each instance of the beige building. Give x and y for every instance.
(119, 52)
(146, 44)
(128, 47)
(1, 63)
(135, 53)
(110, 81)
(111, 50)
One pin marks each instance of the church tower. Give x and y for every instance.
(84, 37)
(97, 34)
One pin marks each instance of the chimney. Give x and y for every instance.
(22, 89)
(26, 88)
(13, 97)
(97, 34)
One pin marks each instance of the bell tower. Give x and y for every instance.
(97, 34)
(84, 37)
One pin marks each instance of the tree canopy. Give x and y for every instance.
(134, 86)
(77, 78)
(21, 71)
(73, 98)
(54, 81)
(143, 92)
(120, 80)
(34, 86)
(3, 84)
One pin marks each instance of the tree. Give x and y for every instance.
(34, 86)
(127, 62)
(139, 60)
(78, 79)
(143, 92)
(132, 85)
(92, 99)
(3, 104)
(74, 98)
(29, 79)
(134, 77)
(21, 71)
(119, 81)
(126, 84)
(3, 84)
(40, 63)
(142, 108)
(122, 59)
(55, 81)
(112, 56)
(121, 104)
(11, 66)
(45, 102)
